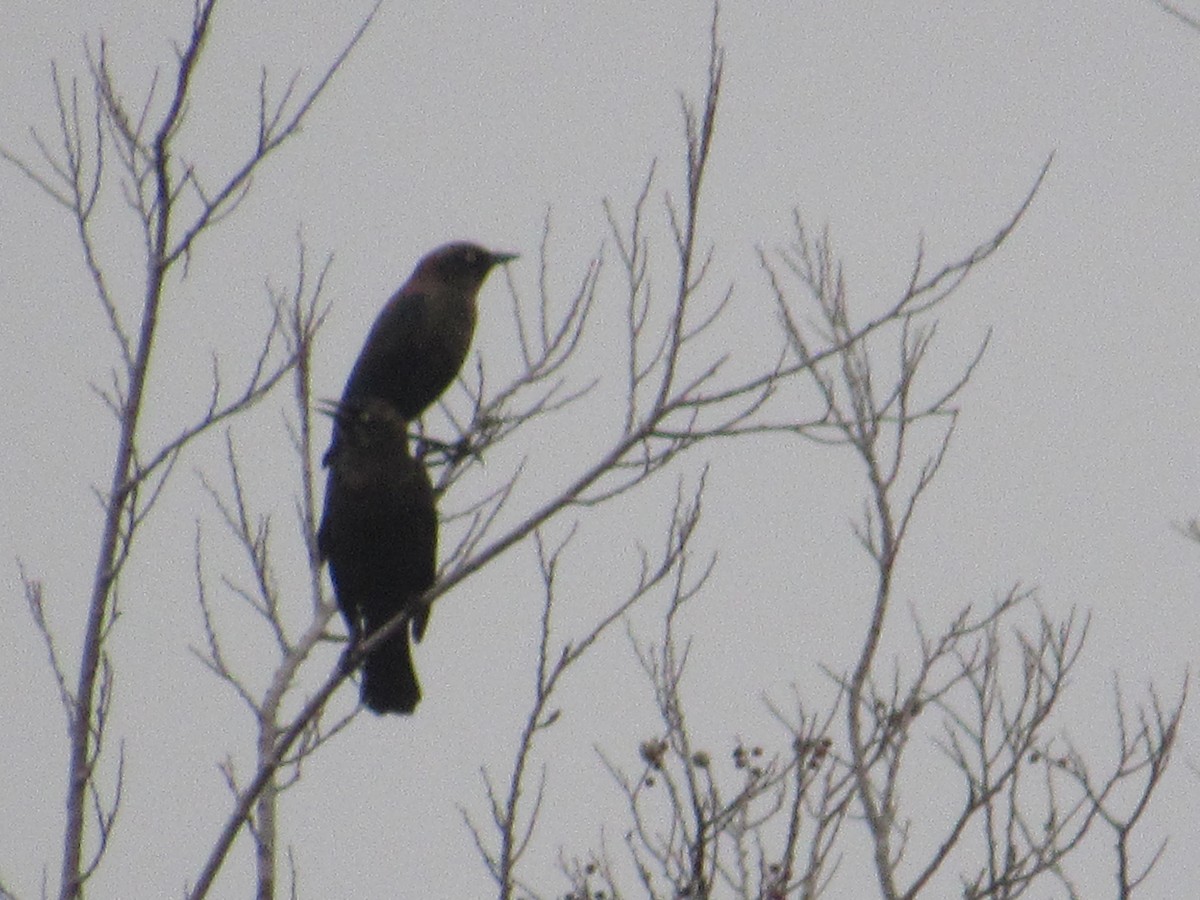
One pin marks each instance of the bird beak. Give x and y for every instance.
(500, 259)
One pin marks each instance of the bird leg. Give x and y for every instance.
(451, 453)
(345, 664)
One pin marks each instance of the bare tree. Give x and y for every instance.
(266, 597)
(134, 151)
(979, 695)
(979, 699)
(674, 399)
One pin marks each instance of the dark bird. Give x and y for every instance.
(379, 535)
(420, 339)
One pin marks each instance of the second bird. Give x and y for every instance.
(420, 339)
(379, 535)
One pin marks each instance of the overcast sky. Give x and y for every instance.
(1076, 452)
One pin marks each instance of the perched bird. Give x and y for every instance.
(420, 338)
(379, 534)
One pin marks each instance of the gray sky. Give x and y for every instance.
(1076, 452)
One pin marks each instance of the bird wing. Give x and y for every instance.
(398, 327)
(390, 341)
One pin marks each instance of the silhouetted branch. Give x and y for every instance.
(157, 183)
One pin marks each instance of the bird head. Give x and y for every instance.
(366, 422)
(460, 263)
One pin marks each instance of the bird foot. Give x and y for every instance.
(347, 663)
(451, 453)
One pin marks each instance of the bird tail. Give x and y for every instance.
(389, 681)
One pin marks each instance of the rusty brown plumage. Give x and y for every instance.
(379, 526)
(420, 339)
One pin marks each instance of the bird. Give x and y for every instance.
(378, 534)
(420, 339)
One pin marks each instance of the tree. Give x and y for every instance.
(969, 697)
(109, 145)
